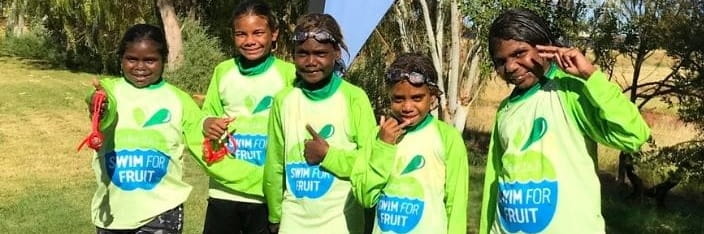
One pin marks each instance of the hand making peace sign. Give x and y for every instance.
(570, 60)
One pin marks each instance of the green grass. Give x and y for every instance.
(65, 208)
(474, 206)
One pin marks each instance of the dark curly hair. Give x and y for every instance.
(414, 62)
(140, 32)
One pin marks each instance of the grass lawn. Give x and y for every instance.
(47, 186)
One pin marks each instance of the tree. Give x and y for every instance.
(87, 30)
(16, 20)
(646, 26)
(173, 33)
(604, 37)
(673, 25)
(682, 163)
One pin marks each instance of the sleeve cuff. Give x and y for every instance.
(332, 161)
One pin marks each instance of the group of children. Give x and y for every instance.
(305, 153)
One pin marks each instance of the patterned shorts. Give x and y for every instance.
(169, 222)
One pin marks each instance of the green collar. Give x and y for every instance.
(255, 70)
(428, 118)
(324, 92)
(518, 95)
(552, 71)
(158, 84)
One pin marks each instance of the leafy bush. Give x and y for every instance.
(682, 162)
(202, 53)
(34, 44)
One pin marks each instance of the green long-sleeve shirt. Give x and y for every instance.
(247, 96)
(317, 199)
(139, 168)
(540, 173)
(420, 184)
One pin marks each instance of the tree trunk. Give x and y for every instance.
(16, 19)
(469, 87)
(625, 162)
(173, 33)
(400, 11)
(453, 77)
(437, 60)
(626, 167)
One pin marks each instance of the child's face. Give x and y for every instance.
(410, 103)
(253, 37)
(518, 63)
(315, 61)
(141, 63)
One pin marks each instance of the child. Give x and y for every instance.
(540, 173)
(147, 124)
(242, 88)
(317, 129)
(417, 173)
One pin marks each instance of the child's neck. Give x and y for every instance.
(254, 67)
(247, 64)
(316, 86)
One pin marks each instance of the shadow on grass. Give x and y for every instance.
(39, 64)
(681, 214)
(34, 64)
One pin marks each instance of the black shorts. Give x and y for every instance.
(169, 222)
(224, 217)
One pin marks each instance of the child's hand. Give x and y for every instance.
(316, 148)
(571, 60)
(104, 105)
(215, 128)
(274, 228)
(390, 131)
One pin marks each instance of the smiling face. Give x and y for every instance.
(315, 61)
(518, 63)
(253, 36)
(410, 103)
(142, 64)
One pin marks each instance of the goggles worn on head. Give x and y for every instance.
(414, 78)
(320, 36)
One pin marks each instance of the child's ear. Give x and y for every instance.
(274, 35)
(434, 103)
(435, 99)
(338, 54)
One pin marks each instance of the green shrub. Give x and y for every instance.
(202, 52)
(34, 44)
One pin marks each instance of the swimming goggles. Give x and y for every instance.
(320, 36)
(414, 78)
